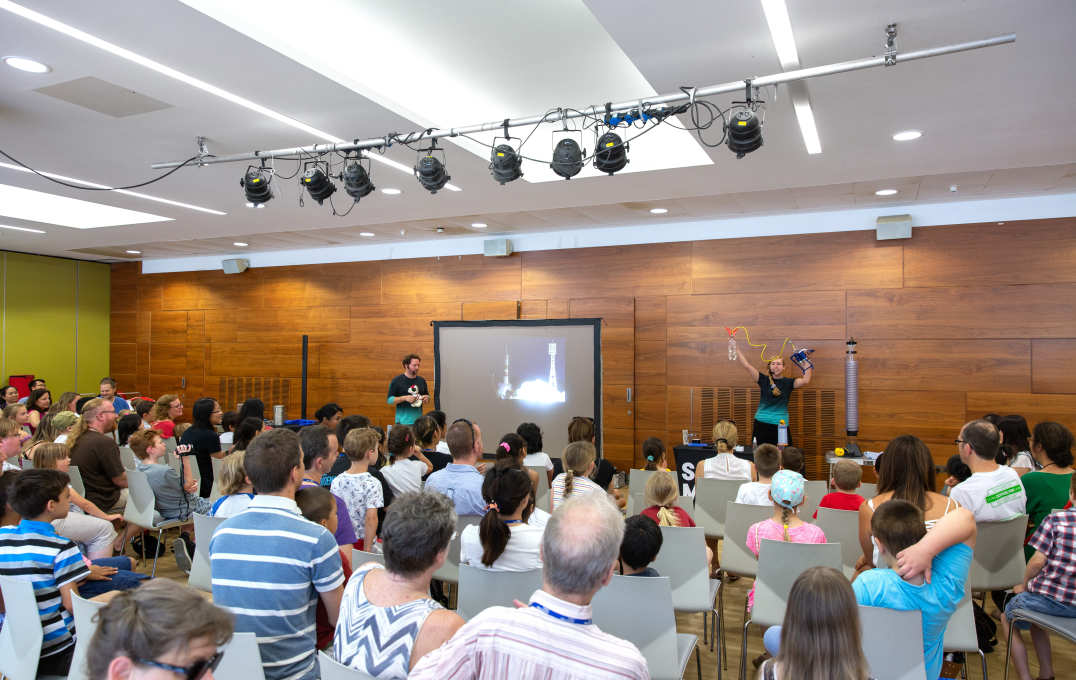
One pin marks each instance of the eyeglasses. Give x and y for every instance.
(960, 441)
(196, 670)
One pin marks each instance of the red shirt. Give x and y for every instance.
(321, 618)
(681, 514)
(840, 500)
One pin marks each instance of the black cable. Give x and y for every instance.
(86, 188)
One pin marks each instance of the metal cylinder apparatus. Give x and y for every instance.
(851, 389)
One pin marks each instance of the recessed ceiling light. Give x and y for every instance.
(885, 192)
(391, 192)
(907, 135)
(38, 231)
(133, 252)
(658, 211)
(367, 234)
(28, 65)
(479, 225)
(38, 206)
(240, 244)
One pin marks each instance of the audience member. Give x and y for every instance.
(252, 408)
(10, 444)
(19, 414)
(579, 553)
(993, 493)
(820, 636)
(442, 422)
(361, 492)
(342, 462)
(204, 442)
(45, 433)
(66, 402)
(108, 393)
(536, 456)
(270, 565)
(460, 480)
(35, 384)
(86, 524)
(641, 545)
(1047, 488)
(163, 627)
(229, 420)
(97, 456)
(143, 407)
(245, 432)
(575, 480)
(175, 498)
(9, 394)
(661, 496)
(329, 415)
(235, 487)
(34, 552)
(511, 452)
(37, 406)
(126, 426)
(319, 506)
(957, 470)
(388, 622)
(65, 424)
(905, 472)
(847, 477)
(1015, 448)
(319, 446)
(581, 429)
(180, 430)
(503, 541)
(407, 466)
(792, 459)
(767, 463)
(1049, 585)
(928, 569)
(725, 465)
(427, 436)
(166, 410)
(654, 455)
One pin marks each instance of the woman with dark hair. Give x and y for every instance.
(126, 426)
(1047, 489)
(406, 465)
(1015, 450)
(503, 541)
(906, 472)
(252, 408)
(204, 442)
(536, 455)
(9, 394)
(512, 450)
(654, 455)
(245, 432)
(38, 405)
(427, 434)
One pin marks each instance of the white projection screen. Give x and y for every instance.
(503, 373)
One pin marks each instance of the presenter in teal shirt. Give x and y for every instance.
(408, 391)
(774, 391)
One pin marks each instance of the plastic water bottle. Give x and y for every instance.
(782, 434)
(754, 443)
(732, 349)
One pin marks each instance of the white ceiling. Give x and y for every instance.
(996, 122)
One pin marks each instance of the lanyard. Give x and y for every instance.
(562, 617)
(513, 521)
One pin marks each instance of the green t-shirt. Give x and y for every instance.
(1045, 492)
(773, 409)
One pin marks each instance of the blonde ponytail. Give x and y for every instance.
(667, 517)
(568, 474)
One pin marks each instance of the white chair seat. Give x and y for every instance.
(242, 659)
(85, 624)
(842, 526)
(331, 669)
(20, 646)
(960, 632)
(201, 572)
(482, 588)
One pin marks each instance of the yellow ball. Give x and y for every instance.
(838, 451)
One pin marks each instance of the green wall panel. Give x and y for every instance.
(93, 324)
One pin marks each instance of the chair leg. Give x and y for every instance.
(156, 552)
(705, 629)
(698, 662)
(743, 650)
(721, 605)
(1008, 648)
(718, 623)
(982, 658)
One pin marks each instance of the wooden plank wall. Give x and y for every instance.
(953, 323)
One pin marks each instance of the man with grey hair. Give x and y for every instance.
(993, 493)
(554, 636)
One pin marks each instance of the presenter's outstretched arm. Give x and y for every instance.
(803, 381)
(751, 370)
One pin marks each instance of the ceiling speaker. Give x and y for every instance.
(235, 266)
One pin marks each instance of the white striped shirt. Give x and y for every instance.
(580, 485)
(268, 565)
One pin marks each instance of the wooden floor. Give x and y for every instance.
(1064, 652)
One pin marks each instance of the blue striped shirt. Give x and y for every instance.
(268, 565)
(32, 551)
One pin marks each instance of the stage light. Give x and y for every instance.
(505, 164)
(612, 153)
(430, 170)
(357, 180)
(317, 183)
(256, 185)
(567, 158)
(744, 133)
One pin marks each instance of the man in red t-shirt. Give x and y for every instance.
(846, 477)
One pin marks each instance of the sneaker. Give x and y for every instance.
(183, 558)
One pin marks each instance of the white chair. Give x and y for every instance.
(242, 659)
(687, 504)
(711, 503)
(85, 625)
(842, 526)
(960, 633)
(214, 493)
(893, 643)
(201, 576)
(450, 570)
(76, 480)
(1065, 627)
(139, 511)
(639, 609)
(127, 457)
(683, 559)
(331, 669)
(868, 490)
(170, 445)
(20, 645)
(361, 557)
(779, 565)
(998, 559)
(541, 496)
(482, 588)
(637, 490)
(813, 493)
(735, 557)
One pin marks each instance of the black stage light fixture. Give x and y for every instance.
(356, 179)
(505, 164)
(430, 170)
(317, 183)
(256, 186)
(744, 133)
(567, 158)
(612, 153)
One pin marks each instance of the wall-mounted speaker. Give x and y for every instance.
(235, 266)
(497, 247)
(893, 226)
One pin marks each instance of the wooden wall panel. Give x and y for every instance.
(533, 309)
(650, 318)
(854, 259)
(168, 326)
(1035, 407)
(167, 359)
(1053, 366)
(445, 279)
(1047, 311)
(769, 316)
(705, 361)
(884, 414)
(925, 365)
(497, 311)
(656, 269)
(988, 254)
(123, 327)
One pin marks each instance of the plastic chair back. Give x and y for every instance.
(242, 659)
(140, 500)
(85, 624)
(541, 496)
(998, 560)
(711, 503)
(20, 645)
(201, 574)
(842, 526)
(482, 588)
(868, 490)
(127, 457)
(960, 631)
(637, 490)
(683, 560)
(361, 557)
(170, 445)
(779, 564)
(218, 464)
(76, 480)
(813, 495)
(735, 557)
(893, 643)
(450, 570)
(331, 669)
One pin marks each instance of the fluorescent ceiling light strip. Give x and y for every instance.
(38, 206)
(32, 231)
(805, 118)
(136, 194)
(124, 53)
(776, 12)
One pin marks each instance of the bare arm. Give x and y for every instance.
(65, 596)
(423, 459)
(805, 380)
(90, 508)
(865, 513)
(1034, 566)
(370, 529)
(439, 626)
(331, 599)
(956, 527)
(751, 370)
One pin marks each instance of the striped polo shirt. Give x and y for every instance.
(268, 565)
(32, 551)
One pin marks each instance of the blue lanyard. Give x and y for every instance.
(513, 521)
(562, 617)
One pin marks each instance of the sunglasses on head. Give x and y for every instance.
(195, 671)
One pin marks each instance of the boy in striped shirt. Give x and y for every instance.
(32, 551)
